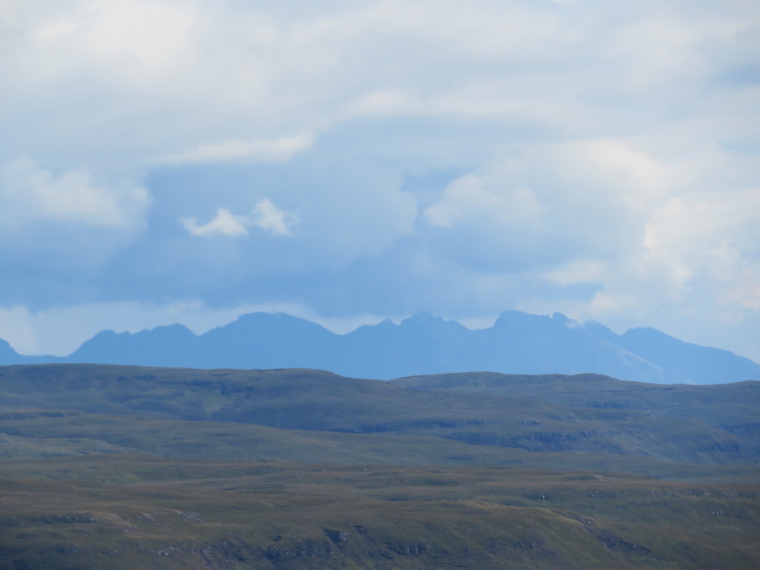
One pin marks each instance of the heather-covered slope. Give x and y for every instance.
(731, 407)
(111, 467)
(532, 418)
(126, 512)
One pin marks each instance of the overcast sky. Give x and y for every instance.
(188, 161)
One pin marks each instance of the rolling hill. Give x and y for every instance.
(585, 413)
(109, 467)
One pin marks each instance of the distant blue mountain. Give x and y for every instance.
(699, 363)
(173, 345)
(517, 343)
(10, 356)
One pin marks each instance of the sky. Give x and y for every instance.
(189, 161)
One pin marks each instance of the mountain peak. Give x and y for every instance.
(6, 350)
(560, 318)
(422, 317)
(425, 321)
(512, 318)
(517, 343)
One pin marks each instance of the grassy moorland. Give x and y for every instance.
(30, 434)
(108, 467)
(320, 401)
(727, 406)
(200, 514)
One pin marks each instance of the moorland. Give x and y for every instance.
(142, 467)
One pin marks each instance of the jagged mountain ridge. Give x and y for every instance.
(517, 343)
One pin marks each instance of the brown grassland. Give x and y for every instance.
(124, 468)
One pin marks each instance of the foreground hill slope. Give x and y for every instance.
(517, 343)
(165, 514)
(121, 467)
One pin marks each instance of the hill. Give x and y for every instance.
(168, 514)
(731, 407)
(535, 414)
(117, 467)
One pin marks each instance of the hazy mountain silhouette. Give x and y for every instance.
(517, 343)
(697, 362)
(173, 345)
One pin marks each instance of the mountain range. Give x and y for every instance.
(517, 343)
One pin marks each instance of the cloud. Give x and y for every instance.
(597, 158)
(578, 271)
(234, 81)
(265, 215)
(551, 204)
(708, 247)
(278, 150)
(224, 223)
(268, 217)
(30, 194)
(17, 330)
(469, 200)
(58, 231)
(143, 37)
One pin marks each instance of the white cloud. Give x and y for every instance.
(268, 217)
(265, 215)
(229, 81)
(471, 199)
(143, 37)
(224, 223)
(277, 150)
(709, 246)
(30, 194)
(549, 205)
(65, 226)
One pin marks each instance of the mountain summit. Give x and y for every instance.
(517, 343)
